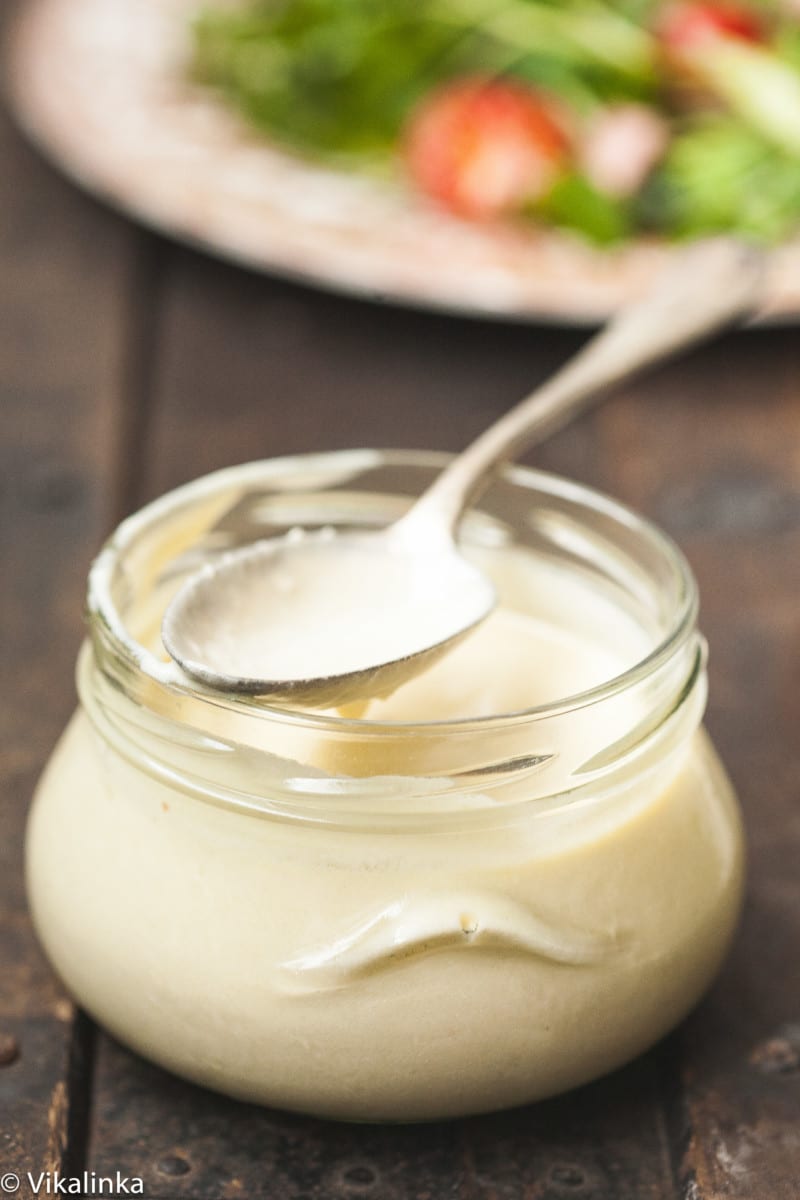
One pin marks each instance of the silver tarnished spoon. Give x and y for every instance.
(324, 619)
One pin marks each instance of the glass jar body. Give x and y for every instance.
(448, 937)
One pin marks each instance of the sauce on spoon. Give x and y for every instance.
(331, 620)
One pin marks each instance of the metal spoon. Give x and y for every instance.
(328, 619)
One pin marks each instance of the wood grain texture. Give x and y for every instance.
(250, 368)
(63, 265)
(712, 455)
(603, 1142)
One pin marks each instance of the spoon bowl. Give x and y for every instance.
(257, 622)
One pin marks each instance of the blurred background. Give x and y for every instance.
(131, 362)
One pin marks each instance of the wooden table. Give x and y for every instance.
(128, 365)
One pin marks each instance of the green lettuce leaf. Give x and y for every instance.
(721, 176)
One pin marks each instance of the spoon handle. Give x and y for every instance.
(710, 285)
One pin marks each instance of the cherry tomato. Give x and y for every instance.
(688, 26)
(485, 148)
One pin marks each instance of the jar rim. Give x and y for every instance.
(103, 612)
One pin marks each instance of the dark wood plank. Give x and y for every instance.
(251, 368)
(604, 1142)
(65, 265)
(712, 456)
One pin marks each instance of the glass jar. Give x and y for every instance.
(384, 920)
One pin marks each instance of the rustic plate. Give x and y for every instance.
(101, 86)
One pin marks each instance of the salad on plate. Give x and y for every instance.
(607, 118)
